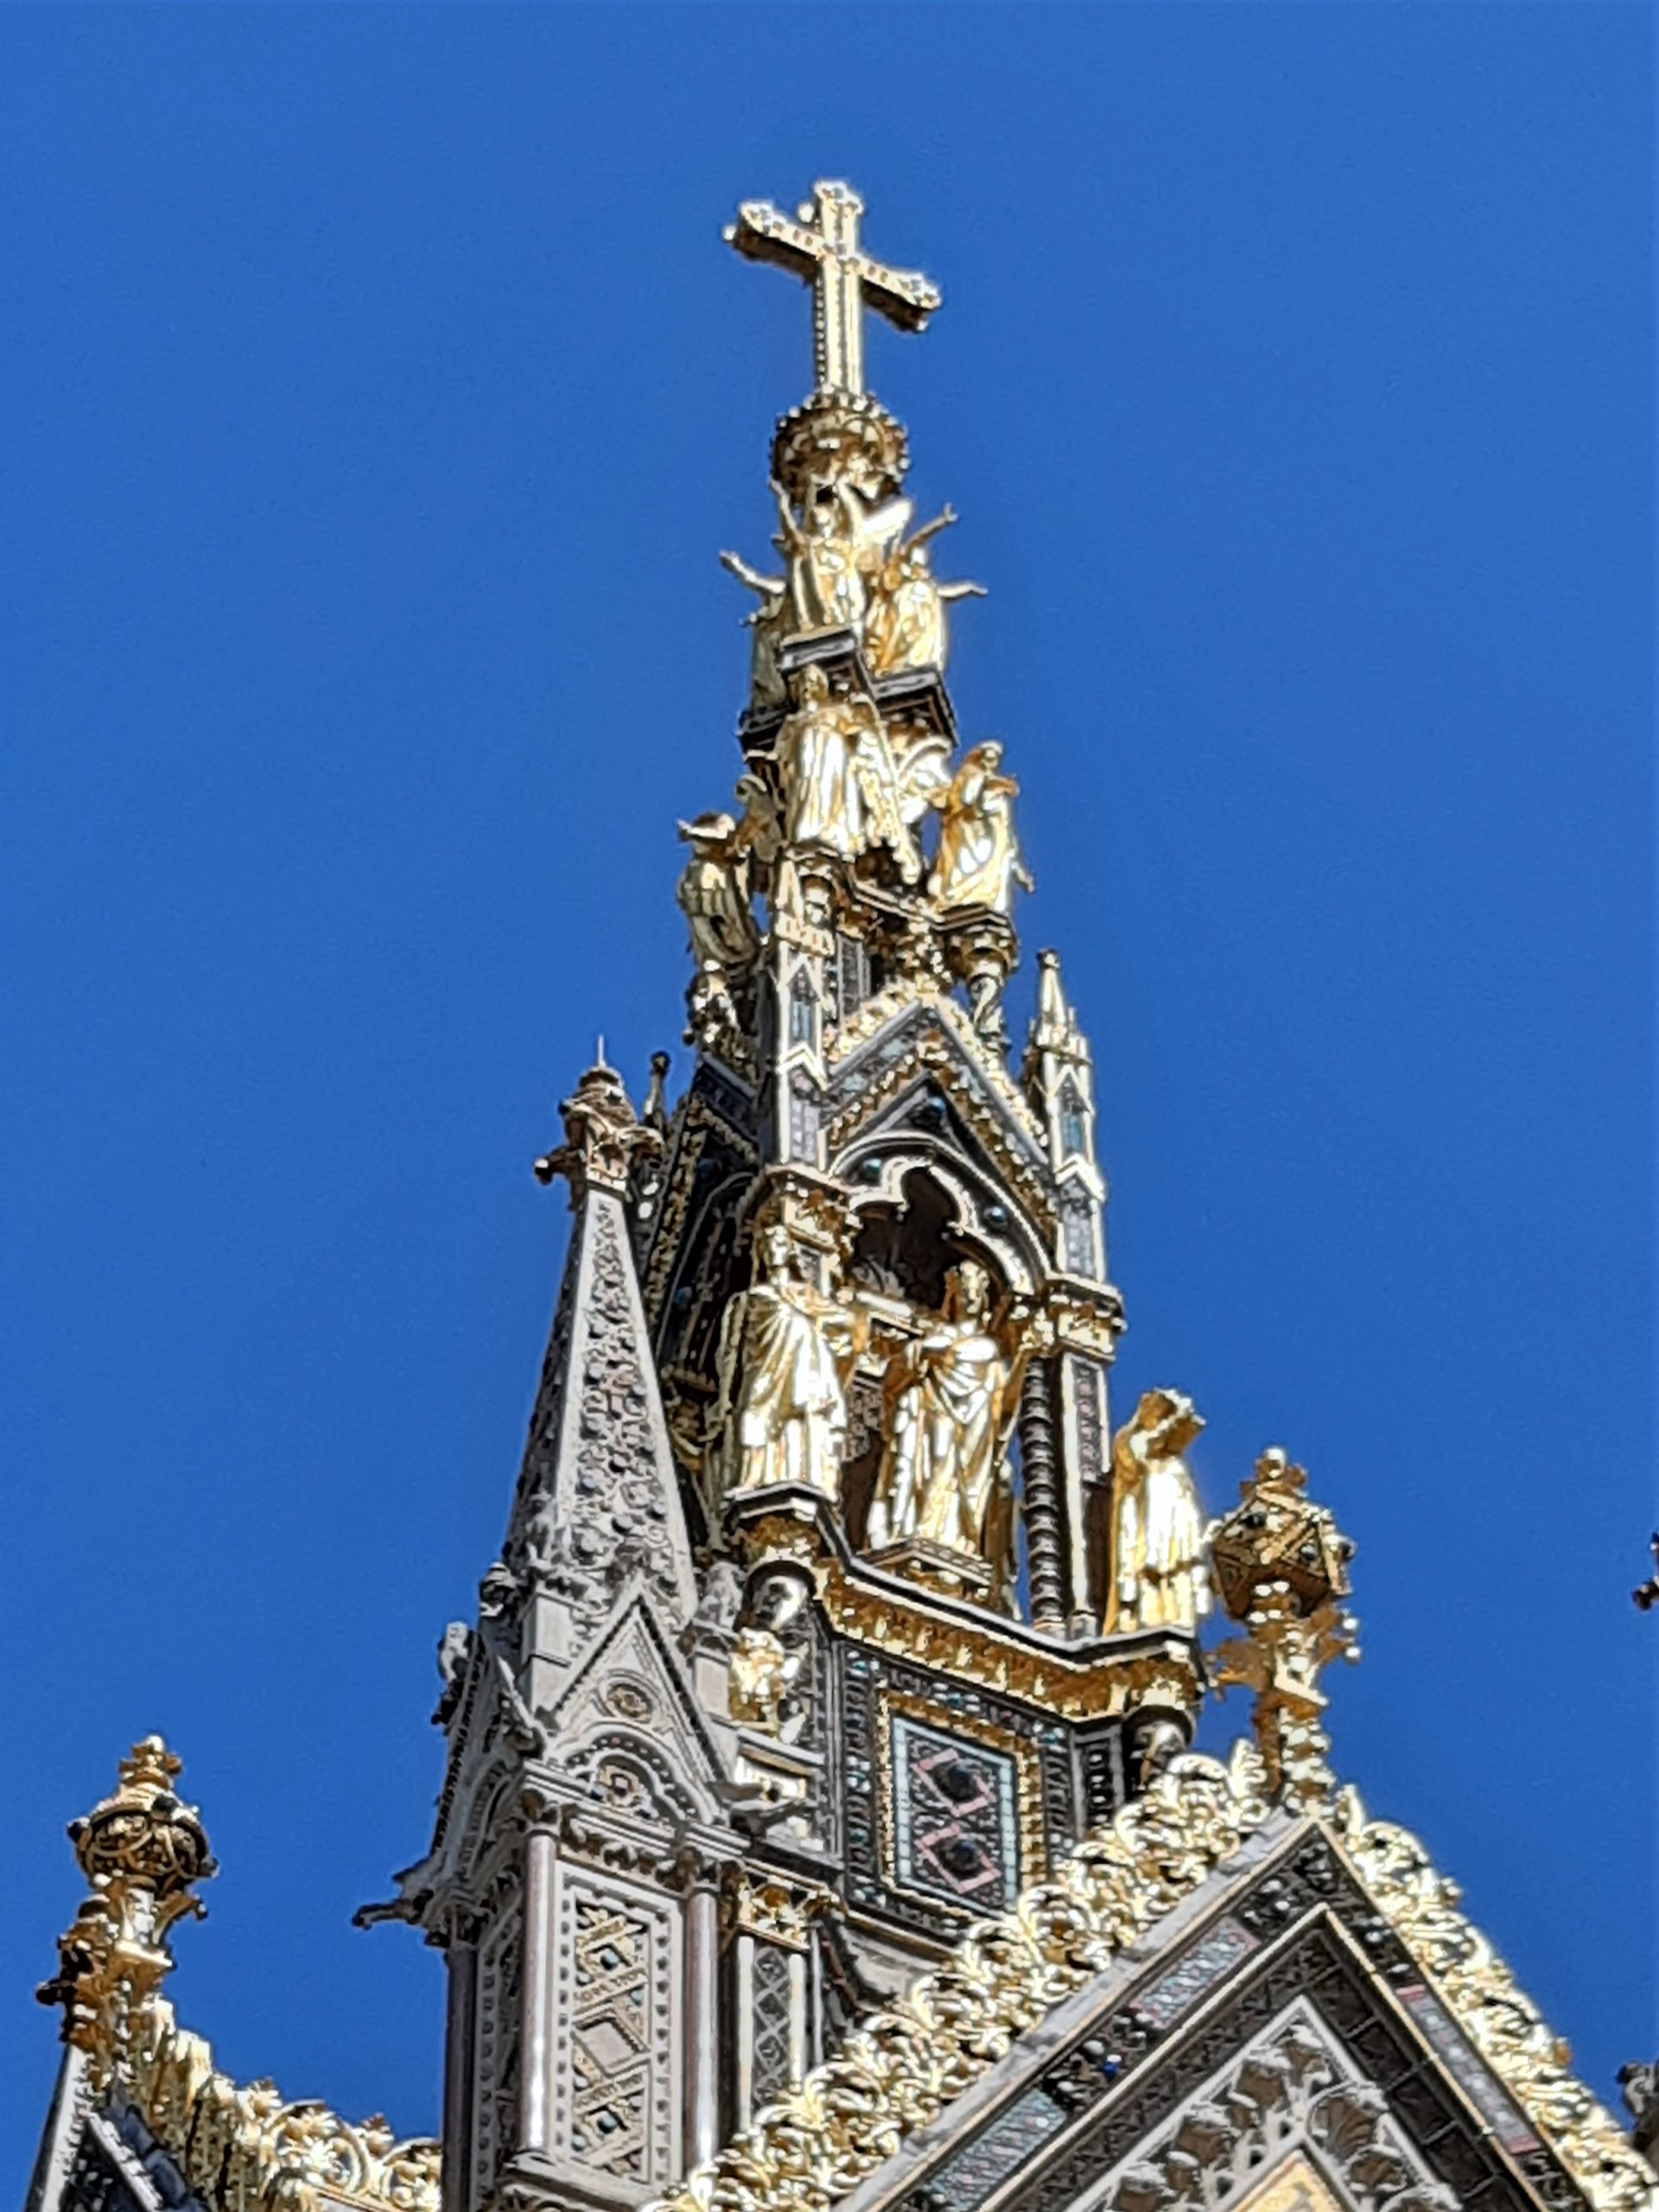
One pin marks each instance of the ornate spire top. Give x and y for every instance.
(1281, 1564)
(142, 1834)
(1054, 1026)
(142, 1851)
(602, 1136)
(821, 247)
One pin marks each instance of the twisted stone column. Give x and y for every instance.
(1044, 1552)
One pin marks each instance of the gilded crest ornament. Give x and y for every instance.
(1282, 1565)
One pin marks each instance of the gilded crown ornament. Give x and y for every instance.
(1281, 1565)
(143, 1835)
(239, 2149)
(143, 1850)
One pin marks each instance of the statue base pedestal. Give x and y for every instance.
(960, 1573)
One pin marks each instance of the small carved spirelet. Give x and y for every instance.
(603, 1138)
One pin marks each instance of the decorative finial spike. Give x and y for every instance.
(1051, 1009)
(142, 1851)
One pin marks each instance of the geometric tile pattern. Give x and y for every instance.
(771, 2023)
(1054, 1803)
(955, 1813)
(610, 2053)
(615, 2086)
(1179, 1990)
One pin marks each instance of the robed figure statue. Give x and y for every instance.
(784, 1350)
(1160, 1575)
(978, 862)
(942, 1480)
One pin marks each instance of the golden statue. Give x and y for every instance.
(781, 1412)
(947, 1398)
(823, 795)
(891, 805)
(826, 583)
(905, 626)
(842, 789)
(771, 624)
(1160, 1577)
(978, 862)
(714, 893)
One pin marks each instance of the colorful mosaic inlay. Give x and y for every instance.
(1174, 1994)
(1482, 2092)
(956, 1825)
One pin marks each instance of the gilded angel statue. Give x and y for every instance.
(905, 626)
(1160, 1575)
(825, 555)
(845, 787)
(825, 578)
(714, 893)
(824, 799)
(770, 625)
(979, 861)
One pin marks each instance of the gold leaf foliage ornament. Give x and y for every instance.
(247, 2150)
(1424, 1908)
(906, 2063)
(241, 2150)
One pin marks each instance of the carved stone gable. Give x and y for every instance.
(628, 1727)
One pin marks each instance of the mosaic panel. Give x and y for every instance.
(970, 2177)
(955, 1816)
(1471, 2075)
(1053, 1804)
(1179, 1990)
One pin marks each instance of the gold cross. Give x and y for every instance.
(821, 247)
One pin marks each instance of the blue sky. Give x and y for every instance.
(378, 394)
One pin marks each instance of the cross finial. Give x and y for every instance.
(821, 247)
